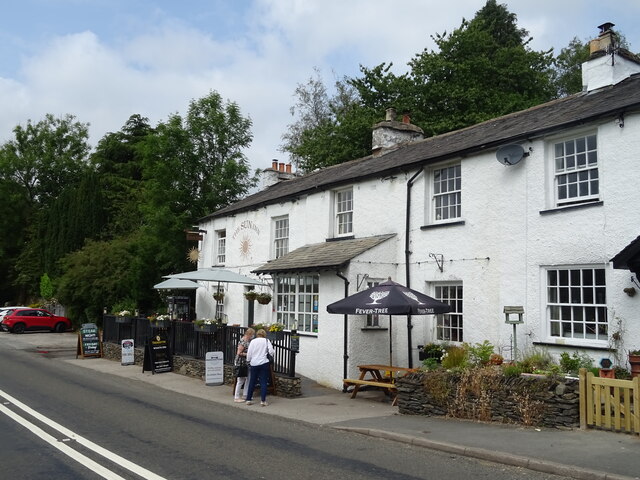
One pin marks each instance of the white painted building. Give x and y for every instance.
(450, 217)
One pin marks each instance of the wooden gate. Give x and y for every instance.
(609, 403)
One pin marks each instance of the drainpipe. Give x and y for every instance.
(345, 354)
(407, 257)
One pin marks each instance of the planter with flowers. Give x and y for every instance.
(275, 331)
(206, 326)
(123, 316)
(431, 350)
(160, 321)
(263, 298)
(634, 362)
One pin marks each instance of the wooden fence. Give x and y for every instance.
(609, 404)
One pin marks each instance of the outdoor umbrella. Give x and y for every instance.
(220, 275)
(389, 298)
(177, 284)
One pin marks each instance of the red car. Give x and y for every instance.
(22, 319)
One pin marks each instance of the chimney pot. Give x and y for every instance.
(288, 168)
(406, 118)
(281, 167)
(274, 164)
(390, 114)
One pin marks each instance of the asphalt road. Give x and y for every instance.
(175, 436)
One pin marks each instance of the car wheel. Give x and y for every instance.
(18, 328)
(60, 327)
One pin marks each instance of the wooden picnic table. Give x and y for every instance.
(378, 376)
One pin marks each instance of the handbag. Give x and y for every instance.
(269, 357)
(242, 370)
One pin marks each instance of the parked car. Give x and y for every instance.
(6, 310)
(21, 319)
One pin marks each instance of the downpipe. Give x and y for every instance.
(345, 354)
(407, 258)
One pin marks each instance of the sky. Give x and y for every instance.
(105, 60)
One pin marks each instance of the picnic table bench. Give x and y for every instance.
(377, 376)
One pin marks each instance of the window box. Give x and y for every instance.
(206, 328)
(123, 319)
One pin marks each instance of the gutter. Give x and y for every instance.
(345, 354)
(407, 257)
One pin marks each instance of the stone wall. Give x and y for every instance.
(532, 400)
(288, 387)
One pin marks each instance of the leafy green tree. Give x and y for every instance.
(481, 70)
(44, 156)
(46, 287)
(568, 67)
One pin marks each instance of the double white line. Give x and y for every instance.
(75, 455)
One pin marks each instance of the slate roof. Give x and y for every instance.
(322, 256)
(578, 109)
(628, 257)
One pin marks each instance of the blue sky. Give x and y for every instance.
(104, 60)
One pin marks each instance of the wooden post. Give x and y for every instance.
(583, 398)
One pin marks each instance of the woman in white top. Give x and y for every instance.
(259, 365)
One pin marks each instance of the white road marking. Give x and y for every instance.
(77, 456)
(121, 461)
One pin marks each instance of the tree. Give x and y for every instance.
(481, 70)
(568, 67)
(45, 155)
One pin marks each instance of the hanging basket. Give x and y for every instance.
(263, 298)
(218, 297)
(251, 295)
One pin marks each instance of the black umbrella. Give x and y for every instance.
(389, 298)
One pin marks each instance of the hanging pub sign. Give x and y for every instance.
(89, 344)
(128, 352)
(157, 355)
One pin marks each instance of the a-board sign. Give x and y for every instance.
(214, 368)
(128, 352)
(157, 355)
(89, 344)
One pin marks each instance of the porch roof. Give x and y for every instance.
(629, 257)
(330, 255)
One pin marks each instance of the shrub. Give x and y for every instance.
(536, 360)
(574, 362)
(454, 357)
(479, 353)
(429, 364)
(434, 350)
(512, 370)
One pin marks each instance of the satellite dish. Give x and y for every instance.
(510, 154)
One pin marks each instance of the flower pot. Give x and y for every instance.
(607, 373)
(123, 319)
(634, 362)
(275, 336)
(206, 328)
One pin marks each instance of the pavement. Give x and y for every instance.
(581, 454)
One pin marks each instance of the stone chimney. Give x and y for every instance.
(391, 134)
(278, 172)
(608, 64)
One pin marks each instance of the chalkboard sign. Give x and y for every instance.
(157, 357)
(295, 343)
(89, 344)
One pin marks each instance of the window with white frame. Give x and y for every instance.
(374, 319)
(446, 196)
(576, 175)
(344, 212)
(577, 303)
(296, 301)
(219, 299)
(221, 246)
(449, 326)
(280, 236)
